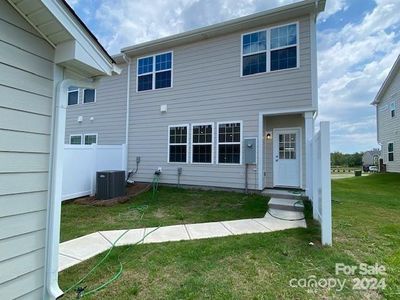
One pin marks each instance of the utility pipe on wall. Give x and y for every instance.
(55, 179)
(128, 87)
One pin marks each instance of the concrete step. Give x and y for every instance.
(283, 194)
(286, 204)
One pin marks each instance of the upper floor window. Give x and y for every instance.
(73, 95)
(392, 109)
(89, 95)
(154, 72)
(390, 152)
(284, 47)
(270, 49)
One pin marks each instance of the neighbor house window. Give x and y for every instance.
(392, 109)
(73, 96)
(229, 143)
(278, 45)
(178, 143)
(75, 139)
(89, 95)
(284, 47)
(202, 143)
(390, 152)
(90, 139)
(154, 72)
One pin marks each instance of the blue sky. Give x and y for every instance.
(358, 42)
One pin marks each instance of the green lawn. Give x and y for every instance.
(366, 224)
(171, 206)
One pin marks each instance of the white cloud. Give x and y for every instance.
(331, 8)
(123, 23)
(353, 62)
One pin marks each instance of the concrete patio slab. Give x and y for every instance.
(133, 236)
(207, 230)
(166, 234)
(85, 247)
(244, 226)
(65, 262)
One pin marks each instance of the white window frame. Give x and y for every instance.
(75, 135)
(390, 151)
(268, 49)
(83, 96)
(73, 91)
(154, 72)
(86, 134)
(193, 144)
(230, 143)
(179, 144)
(392, 108)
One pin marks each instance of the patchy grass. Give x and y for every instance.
(171, 206)
(366, 224)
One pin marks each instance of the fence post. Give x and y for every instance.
(94, 169)
(326, 209)
(315, 173)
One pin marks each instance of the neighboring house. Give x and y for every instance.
(214, 102)
(387, 103)
(44, 48)
(98, 116)
(371, 158)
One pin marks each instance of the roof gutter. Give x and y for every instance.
(53, 291)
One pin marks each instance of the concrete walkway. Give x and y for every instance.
(75, 251)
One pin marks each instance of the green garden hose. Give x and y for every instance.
(141, 208)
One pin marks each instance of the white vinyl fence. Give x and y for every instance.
(81, 162)
(322, 205)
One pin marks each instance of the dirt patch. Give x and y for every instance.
(132, 190)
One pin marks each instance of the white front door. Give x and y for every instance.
(286, 157)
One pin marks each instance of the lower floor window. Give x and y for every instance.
(177, 141)
(390, 152)
(90, 139)
(75, 139)
(202, 143)
(229, 143)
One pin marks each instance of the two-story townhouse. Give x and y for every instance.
(227, 105)
(387, 103)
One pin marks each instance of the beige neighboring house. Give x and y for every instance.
(44, 49)
(387, 103)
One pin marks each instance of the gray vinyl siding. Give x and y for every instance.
(388, 127)
(207, 87)
(108, 112)
(26, 89)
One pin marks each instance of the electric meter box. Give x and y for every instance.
(250, 149)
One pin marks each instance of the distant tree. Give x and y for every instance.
(346, 160)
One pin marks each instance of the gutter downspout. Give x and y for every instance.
(53, 291)
(128, 88)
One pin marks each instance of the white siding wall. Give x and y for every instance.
(207, 87)
(26, 89)
(108, 112)
(388, 127)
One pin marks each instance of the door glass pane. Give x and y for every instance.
(287, 146)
